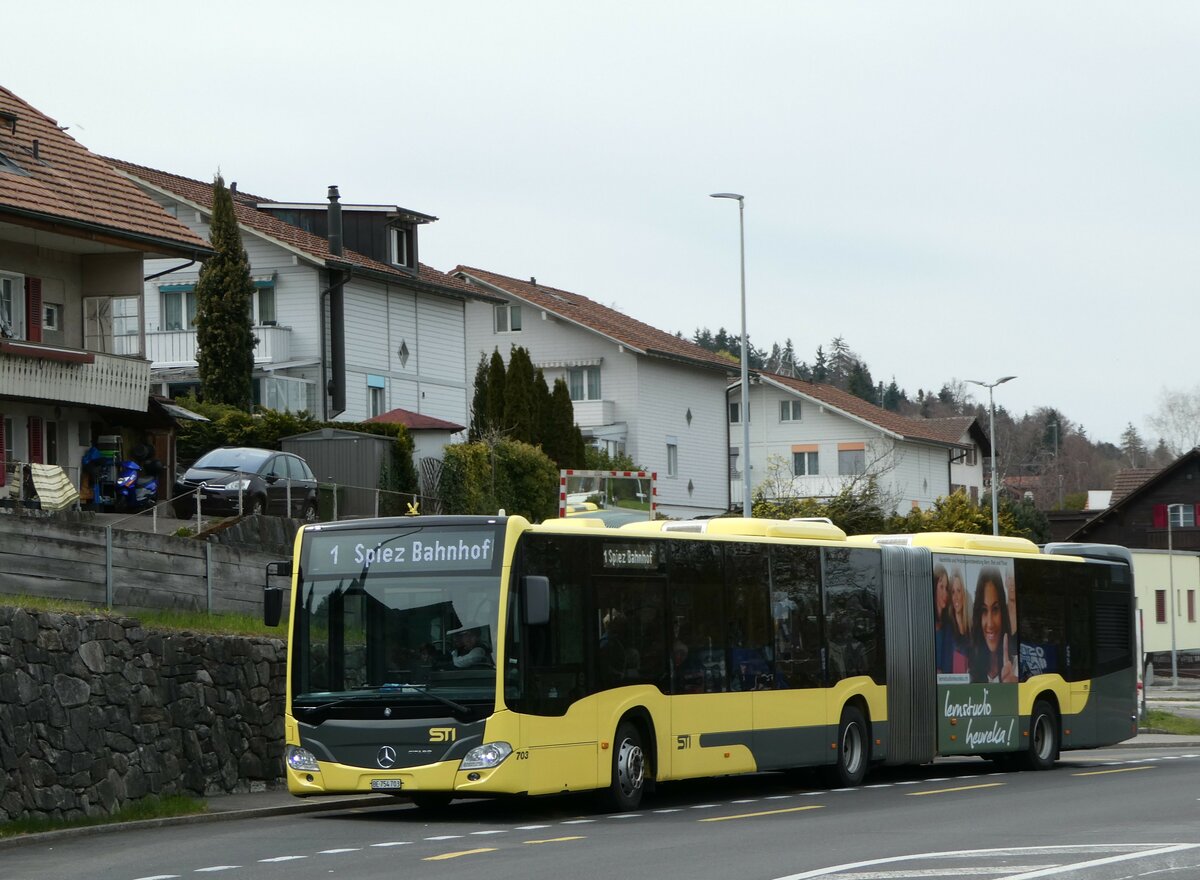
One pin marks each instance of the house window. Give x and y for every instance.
(733, 464)
(264, 303)
(584, 383)
(735, 413)
(1181, 516)
(126, 325)
(51, 316)
(178, 307)
(376, 396)
(508, 318)
(852, 459)
(12, 307)
(972, 457)
(9, 438)
(1160, 606)
(789, 410)
(400, 251)
(804, 464)
(672, 460)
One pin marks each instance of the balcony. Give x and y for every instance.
(177, 348)
(69, 375)
(593, 413)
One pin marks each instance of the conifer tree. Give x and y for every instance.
(479, 415)
(562, 427)
(495, 393)
(542, 412)
(518, 396)
(224, 339)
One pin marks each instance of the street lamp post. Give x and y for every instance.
(992, 437)
(1171, 595)
(745, 404)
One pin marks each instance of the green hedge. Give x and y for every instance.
(508, 475)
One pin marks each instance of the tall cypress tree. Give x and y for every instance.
(542, 412)
(495, 392)
(479, 415)
(518, 396)
(224, 339)
(562, 426)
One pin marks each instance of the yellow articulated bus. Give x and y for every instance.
(443, 657)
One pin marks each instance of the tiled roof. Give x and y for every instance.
(414, 421)
(199, 192)
(951, 429)
(60, 182)
(913, 429)
(1129, 479)
(608, 322)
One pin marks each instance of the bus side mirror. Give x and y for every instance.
(535, 589)
(273, 596)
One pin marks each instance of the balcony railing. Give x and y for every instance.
(177, 348)
(589, 413)
(69, 375)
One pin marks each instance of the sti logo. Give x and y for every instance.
(442, 734)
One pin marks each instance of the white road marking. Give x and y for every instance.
(937, 872)
(778, 797)
(531, 827)
(445, 837)
(215, 868)
(746, 801)
(1106, 861)
(334, 852)
(579, 821)
(394, 843)
(704, 806)
(282, 859)
(498, 831)
(670, 810)
(624, 816)
(160, 877)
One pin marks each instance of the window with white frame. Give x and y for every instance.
(1181, 516)
(400, 246)
(672, 460)
(735, 412)
(51, 316)
(805, 464)
(789, 410)
(264, 304)
(376, 396)
(12, 306)
(178, 307)
(508, 318)
(126, 325)
(584, 383)
(972, 457)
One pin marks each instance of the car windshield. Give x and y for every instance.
(410, 615)
(233, 459)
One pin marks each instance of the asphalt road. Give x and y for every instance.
(1098, 815)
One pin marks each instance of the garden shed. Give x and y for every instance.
(350, 460)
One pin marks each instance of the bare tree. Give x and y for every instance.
(1177, 419)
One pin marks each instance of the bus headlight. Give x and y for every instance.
(301, 759)
(486, 756)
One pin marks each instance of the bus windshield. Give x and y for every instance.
(404, 615)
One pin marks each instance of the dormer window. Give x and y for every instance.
(400, 250)
(508, 318)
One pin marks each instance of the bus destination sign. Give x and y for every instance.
(640, 556)
(414, 551)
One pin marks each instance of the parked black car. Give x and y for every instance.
(264, 479)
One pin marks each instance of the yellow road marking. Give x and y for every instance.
(455, 855)
(556, 840)
(959, 788)
(1119, 770)
(763, 813)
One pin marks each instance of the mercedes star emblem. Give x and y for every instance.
(386, 757)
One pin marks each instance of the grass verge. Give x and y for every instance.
(146, 808)
(158, 618)
(1168, 723)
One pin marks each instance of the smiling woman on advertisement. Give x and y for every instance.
(993, 642)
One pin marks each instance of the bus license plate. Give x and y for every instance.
(386, 784)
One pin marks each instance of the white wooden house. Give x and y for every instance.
(402, 337)
(636, 389)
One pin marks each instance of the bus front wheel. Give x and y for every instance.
(628, 783)
(1043, 737)
(853, 749)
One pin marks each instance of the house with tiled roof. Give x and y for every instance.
(74, 235)
(636, 389)
(809, 439)
(350, 324)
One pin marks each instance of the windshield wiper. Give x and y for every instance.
(384, 692)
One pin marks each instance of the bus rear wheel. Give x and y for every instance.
(1043, 737)
(853, 749)
(628, 783)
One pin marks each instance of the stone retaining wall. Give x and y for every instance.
(97, 712)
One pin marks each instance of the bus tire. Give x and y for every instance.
(853, 749)
(1043, 737)
(628, 783)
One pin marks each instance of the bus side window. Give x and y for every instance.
(697, 578)
(795, 616)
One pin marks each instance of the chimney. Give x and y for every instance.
(335, 222)
(533, 281)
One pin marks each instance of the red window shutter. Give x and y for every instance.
(3, 472)
(36, 436)
(1160, 606)
(1160, 516)
(33, 309)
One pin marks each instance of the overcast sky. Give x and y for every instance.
(961, 190)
